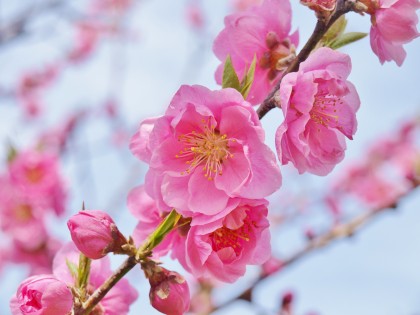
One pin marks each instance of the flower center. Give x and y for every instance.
(208, 148)
(278, 56)
(23, 212)
(324, 110)
(31, 301)
(34, 174)
(235, 239)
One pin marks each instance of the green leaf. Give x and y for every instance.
(72, 268)
(83, 271)
(248, 79)
(11, 153)
(335, 30)
(230, 78)
(162, 230)
(346, 39)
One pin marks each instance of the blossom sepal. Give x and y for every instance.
(231, 79)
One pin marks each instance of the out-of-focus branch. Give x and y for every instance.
(19, 26)
(338, 232)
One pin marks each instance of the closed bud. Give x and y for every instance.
(169, 292)
(95, 233)
(42, 295)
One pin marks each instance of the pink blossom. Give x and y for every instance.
(263, 32)
(194, 15)
(95, 233)
(319, 106)
(223, 248)
(37, 175)
(368, 185)
(271, 266)
(145, 210)
(87, 38)
(42, 295)
(393, 25)
(242, 5)
(38, 259)
(169, 292)
(20, 217)
(207, 148)
(118, 299)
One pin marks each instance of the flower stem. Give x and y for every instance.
(100, 293)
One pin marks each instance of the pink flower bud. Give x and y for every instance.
(95, 233)
(42, 295)
(169, 292)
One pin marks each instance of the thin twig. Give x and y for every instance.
(100, 293)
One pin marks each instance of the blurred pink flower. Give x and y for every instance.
(37, 175)
(207, 148)
(38, 259)
(319, 106)
(20, 217)
(393, 24)
(169, 292)
(194, 15)
(42, 295)
(242, 5)
(95, 233)
(271, 266)
(262, 31)
(222, 249)
(118, 299)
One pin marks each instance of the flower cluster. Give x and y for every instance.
(31, 190)
(210, 170)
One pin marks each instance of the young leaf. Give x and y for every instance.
(334, 31)
(248, 79)
(72, 268)
(346, 39)
(230, 78)
(12, 153)
(162, 230)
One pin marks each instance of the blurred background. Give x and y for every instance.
(96, 68)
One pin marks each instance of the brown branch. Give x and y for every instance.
(321, 27)
(339, 232)
(18, 27)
